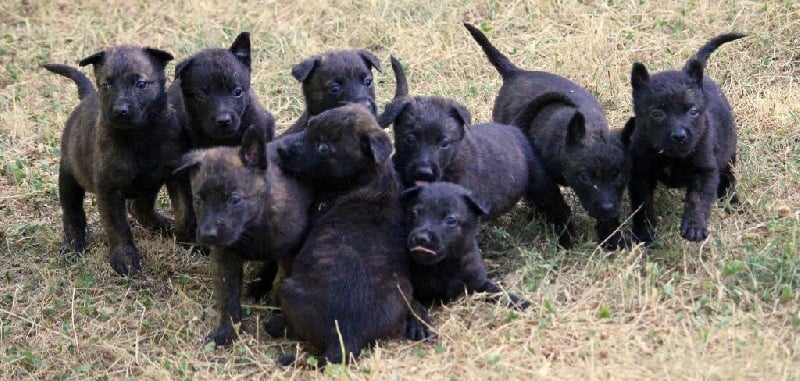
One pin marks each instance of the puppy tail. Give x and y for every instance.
(85, 86)
(712, 45)
(498, 59)
(400, 79)
(526, 115)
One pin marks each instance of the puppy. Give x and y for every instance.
(434, 143)
(247, 209)
(212, 95)
(684, 136)
(349, 284)
(572, 139)
(444, 219)
(122, 142)
(333, 79)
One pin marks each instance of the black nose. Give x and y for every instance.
(679, 135)
(425, 173)
(223, 120)
(207, 233)
(420, 238)
(121, 109)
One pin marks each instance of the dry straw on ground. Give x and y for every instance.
(726, 308)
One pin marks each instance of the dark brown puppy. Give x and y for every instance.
(121, 143)
(684, 136)
(333, 79)
(434, 142)
(444, 219)
(247, 210)
(573, 140)
(350, 280)
(213, 98)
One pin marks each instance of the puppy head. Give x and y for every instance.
(669, 108)
(336, 78)
(597, 168)
(130, 82)
(427, 135)
(228, 185)
(443, 219)
(339, 148)
(216, 88)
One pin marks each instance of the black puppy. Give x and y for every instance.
(434, 142)
(684, 136)
(444, 219)
(333, 79)
(212, 95)
(349, 284)
(571, 136)
(121, 143)
(247, 209)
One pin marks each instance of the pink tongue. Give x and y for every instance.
(420, 183)
(420, 249)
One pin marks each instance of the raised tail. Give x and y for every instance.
(498, 59)
(526, 115)
(85, 86)
(401, 89)
(705, 51)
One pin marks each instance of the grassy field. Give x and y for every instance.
(726, 308)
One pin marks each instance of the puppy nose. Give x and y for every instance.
(223, 120)
(207, 233)
(607, 206)
(121, 109)
(425, 172)
(678, 135)
(420, 238)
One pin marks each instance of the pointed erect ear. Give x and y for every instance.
(478, 206)
(639, 76)
(189, 162)
(409, 195)
(162, 57)
(241, 48)
(460, 112)
(301, 71)
(576, 129)
(694, 69)
(392, 111)
(96, 59)
(379, 145)
(370, 59)
(254, 148)
(182, 66)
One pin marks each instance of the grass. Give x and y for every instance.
(726, 308)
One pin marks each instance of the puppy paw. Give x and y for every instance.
(614, 242)
(223, 335)
(518, 303)
(125, 260)
(643, 237)
(418, 330)
(693, 231)
(68, 247)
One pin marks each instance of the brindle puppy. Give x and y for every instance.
(247, 210)
(121, 143)
(684, 136)
(349, 283)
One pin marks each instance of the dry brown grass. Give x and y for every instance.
(723, 309)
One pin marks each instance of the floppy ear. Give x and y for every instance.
(241, 48)
(478, 206)
(95, 59)
(301, 71)
(627, 132)
(189, 162)
(576, 129)
(694, 69)
(392, 111)
(460, 112)
(639, 76)
(161, 56)
(379, 145)
(409, 195)
(370, 59)
(182, 66)
(253, 151)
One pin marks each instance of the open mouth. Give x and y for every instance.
(423, 251)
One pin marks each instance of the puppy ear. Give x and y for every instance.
(639, 76)
(460, 112)
(694, 69)
(627, 132)
(409, 195)
(253, 151)
(182, 66)
(392, 111)
(96, 59)
(301, 71)
(576, 129)
(478, 206)
(161, 56)
(241, 48)
(189, 162)
(379, 145)
(370, 59)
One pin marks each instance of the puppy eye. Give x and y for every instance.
(410, 140)
(451, 221)
(658, 114)
(234, 200)
(693, 112)
(335, 89)
(323, 149)
(141, 84)
(585, 178)
(237, 92)
(445, 144)
(200, 95)
(368, 82)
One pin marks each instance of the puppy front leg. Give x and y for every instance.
(700, 195)
(641, 188)
(226, 269)
(123, 256)
(143, 209)
(548, 200)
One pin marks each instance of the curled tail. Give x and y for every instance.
(85, 86)
(498, 59)
(401, 99)
(400, 79)
(526, 115)
(709, 47)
